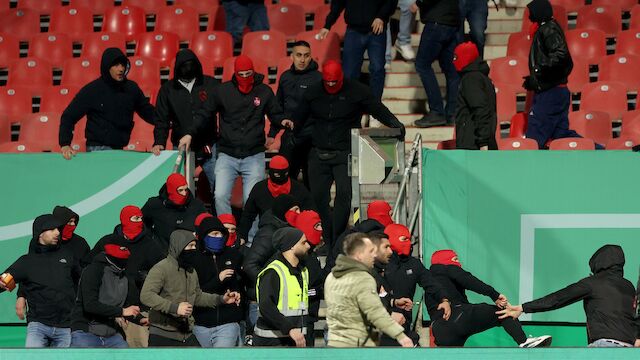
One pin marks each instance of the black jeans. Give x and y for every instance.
(160, 341)
(322, 174)
(275, 342)
(471, 319)
(296, 150)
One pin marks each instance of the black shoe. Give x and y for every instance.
(430, 120)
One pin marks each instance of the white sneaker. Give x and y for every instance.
(406, 51)
(538, 341)
(387, 66)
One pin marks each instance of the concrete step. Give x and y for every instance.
(406, 106)
(405, 93)
(435, 134)
(492, 39)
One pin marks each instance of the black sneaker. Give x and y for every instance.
(538, 341)
(431, 120)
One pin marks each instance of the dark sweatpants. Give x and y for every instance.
(471, 319)
(296, 150)
(549, 116)
(273, 342)
(161, 341)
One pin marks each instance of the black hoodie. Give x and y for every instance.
(359, 14)
(77, 244)
(445, 12)
(365, 226)
(608, 297)
(108, 105)
(176, 106)
(47, 277)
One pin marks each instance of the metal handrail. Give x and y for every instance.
(417, 143)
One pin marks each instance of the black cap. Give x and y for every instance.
(286, 238)
(281, 204)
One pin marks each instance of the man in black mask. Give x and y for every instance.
(180, 98)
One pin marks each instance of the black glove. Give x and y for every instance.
(403, 133)
(527, 83)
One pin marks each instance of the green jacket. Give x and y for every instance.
(167, 285)
(353, 305)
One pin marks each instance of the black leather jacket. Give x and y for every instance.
(549, 59)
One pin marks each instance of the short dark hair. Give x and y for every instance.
(353, 243)
(301, 43)
(376, 237)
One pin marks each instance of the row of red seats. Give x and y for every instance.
(520, 143)
(575, 5)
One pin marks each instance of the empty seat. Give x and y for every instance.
(161, 46)
(320, 16)
(5, 129)
(625, 5)
(145, 71)
(42, 7)
(447, 145)
(41, 127)
(21, 23)
(149, 6)
(15, 102)
(217, 46)
(9, 49)
(80, 71)
(594, 125)
(517, 143)
(621, 68)
(55, 47)
(309, 6)
(518, 126)
(559, 14)
(631, 124)
(509, 70)
(634, 22)
(628, 42)
(572, 144)
(128, 20)
(606, 96)
(216, 19)
(21, 147)
(589, 45)
(269, 46)
(322, 50)
(94, 44)
(622, 143)
(76, 22)
(259, 67)
(284, 64)
(579, 76)
(569, 5)
(32, 72)
(607, 18)
(505, 101)
(203, 7)
(98, 7)
(289, 19)
(55, 99)
(180, 20)
(519, 44)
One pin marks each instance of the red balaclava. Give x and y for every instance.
(117, 254)
(174, 181)
(67, 231)
(444, 257)
(279, 182)
(332, 71)
(465, 54)
(380, 210)
(130, 228)
(201, 217)
(244, 63)
(229, 219)
(394, 232)
(306, 222)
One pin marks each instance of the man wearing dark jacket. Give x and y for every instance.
(550, 64)
(107, 299)
(263, 194)
(335, 106)
(219, 270)
(48, 278)
(109, 103)
(366, 30)
(609, 301)
(293, 84)
(178, 100)
(174, 208)
(476, 118)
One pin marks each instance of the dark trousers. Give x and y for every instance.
(322, 174)
(239, 15)
(549, 116)
(437, 42)
(471, 319)
(475, 12)
(355, 44)
(310, 336)
(296, 150)
(161, 341)
(276, 342)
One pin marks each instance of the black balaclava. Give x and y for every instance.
(540, 11)
(282, 204)
(187, 71)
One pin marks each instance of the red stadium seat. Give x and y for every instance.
(447, 145)
(42, 7)
(284, 64)
(635, 17)
(55, 47)
(128, 20)
(509, 70)
(217, 46)
(572, 144)
(76, 22)
(322, 50)
(589, 45)
(21, 147)
(145, 71)
(518, 126)
(607, 18)
(309, 6)
(594, 125)
(9, 49)
(517, 143)
(149, 6)
(161, 46)
(55, 99)
(569, 5)
(320, 15)
(559, 14)
(631, 124)
(216, 19)
(98, 7)
(609, 97)
(287, 18)
(621, 68)
(259, 66)
(505, 101)
(625, 5)
(579, 76)
(203, 7)
(22, 24)
(80, 71)
(269, 46)
(94, 44)
(622, 143)
(519, 44)
(15, 102)
(628, 42)
(180, 20)
(41, 127)
(31, 72)
(5, 129)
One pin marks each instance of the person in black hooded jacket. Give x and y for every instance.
(48, 277)
(178, 101)
(174, 208)
(109, 103)
(609, 301)
(476, 118)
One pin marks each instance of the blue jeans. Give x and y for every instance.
(238, 16)
(608, 343)
(82, 339)
(253, 315)
(98, 148)
(209, 168)
(223, 336)
(437, 42)
(404, 32)
(549, 116)
(40, 335)
(355, 44)
(476, 13)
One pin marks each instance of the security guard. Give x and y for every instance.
(282, 291)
